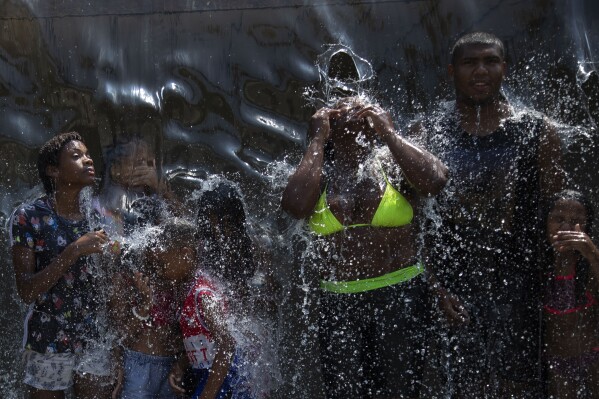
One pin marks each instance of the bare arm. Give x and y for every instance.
(175, 377)
(303, 188)
(120, 307)
(225, 349)
(579, 241)
(425, 172)
(32, 284)
(449, 304)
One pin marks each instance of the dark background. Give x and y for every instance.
(218, 87)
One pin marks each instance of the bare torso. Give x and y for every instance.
(156, 340)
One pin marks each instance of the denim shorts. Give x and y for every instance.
(234, 386)
(54, 371)
(146, 376)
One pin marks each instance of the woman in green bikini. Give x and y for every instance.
(358, 185)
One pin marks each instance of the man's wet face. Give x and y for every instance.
(477, 73)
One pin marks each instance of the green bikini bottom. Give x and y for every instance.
(369, 284)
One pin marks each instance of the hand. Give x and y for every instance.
(115, 249)
(145, 290)
(378, 119)
(118, 385)
(453, 309)
(144, 176)
(576, 240)
(90, 243)
(175, 377)
(320, 124)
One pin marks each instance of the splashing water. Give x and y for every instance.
(64, 68)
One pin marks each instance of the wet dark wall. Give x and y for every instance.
(220, 88)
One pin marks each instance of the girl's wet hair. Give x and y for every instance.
(223, 205)
(222, 201)
(173, 234)
(572, 195)
(177, 233)
(49, 155)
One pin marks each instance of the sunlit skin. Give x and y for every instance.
(573, 334)
(363, 252)
(75, 171)
(76, 167)
(477, 74)
(171, 270)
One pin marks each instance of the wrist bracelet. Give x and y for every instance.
(138, 316)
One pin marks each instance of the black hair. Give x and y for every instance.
(571, 195)
(177, 233)
(582, 267)
(217, 208)
(145, 212)
(473, 39)
(49, 155)
(172, 234)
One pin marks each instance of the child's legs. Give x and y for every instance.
(92, 379)
(92, 387)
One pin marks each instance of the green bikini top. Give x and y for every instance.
(394, 210)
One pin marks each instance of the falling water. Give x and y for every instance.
(225, 92)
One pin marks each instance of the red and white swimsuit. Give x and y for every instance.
(197, 338)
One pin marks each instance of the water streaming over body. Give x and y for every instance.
(220, 90)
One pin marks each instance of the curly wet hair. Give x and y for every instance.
(49, 155)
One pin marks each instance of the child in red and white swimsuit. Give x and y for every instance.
(571, 337)
(215, 360)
